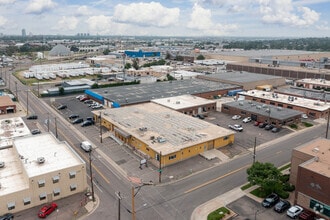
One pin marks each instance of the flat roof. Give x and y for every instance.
(263, 53)
(307, 93)
(301, 102)
(58, 155)
(12, 128)
(322, 82)
(134, 94)
(259, 108)
(320, 150)
(149, 121)
(6, 100)
(183, 101)
(242, 76)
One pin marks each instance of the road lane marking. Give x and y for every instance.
(216, 179)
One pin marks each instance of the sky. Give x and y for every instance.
(194, 18)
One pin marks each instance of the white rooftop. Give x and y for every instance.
(57, 155)
(183, 101)
(315, 81)
(298, 101)
(11, 128)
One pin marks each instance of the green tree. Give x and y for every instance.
(106, 51)
(169, 77)
(136, 64)
(200, 57)
(267, 176)
(61, 90)
(128, 65)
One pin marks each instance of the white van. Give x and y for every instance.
(86, 146)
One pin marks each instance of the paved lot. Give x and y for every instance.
(248, 208)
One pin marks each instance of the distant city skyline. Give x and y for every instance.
(195, 18)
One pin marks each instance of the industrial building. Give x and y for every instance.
(318, 95)
(270, 114)
(247, 80)
(161, 135)
(188, 104)
(312, 108)
(141, 54)
(141, 93)
(310, 174)
(319, 84)
(38, 169)
(7, 105)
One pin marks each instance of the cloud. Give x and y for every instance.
(67, 23)
(99, 24)
(39, 6)
(3, 21)
(201, 19)
(82, 11)
(5, 2)
(283, 12)
(147, 14)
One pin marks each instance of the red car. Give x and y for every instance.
(47, 210)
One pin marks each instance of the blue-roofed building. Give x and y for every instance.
(141, 54)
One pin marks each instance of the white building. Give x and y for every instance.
(39, 169)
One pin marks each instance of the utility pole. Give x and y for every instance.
(326, 133)
(38, 89)
(16, 91)
(100, 127)
(254, 149)
(160, 167)
(135, 193)
(119, 198)
(56, 135)
(91, 174)
(48, 121)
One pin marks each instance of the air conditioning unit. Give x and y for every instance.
(41, 160)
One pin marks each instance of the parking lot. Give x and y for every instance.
(245, 139)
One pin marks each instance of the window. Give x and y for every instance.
(272, 103)
(225, 107)
(11, 205)
(43, 196)
(72, 174)
(27, 201)
(280, 105)
(254, 99)
(73, 187)
(147, 149)
(225, 138)
(290, 107)
(172, 157)
(41, 183)
(263, 101)
(56, 179)
(243, 112)
(56, 192)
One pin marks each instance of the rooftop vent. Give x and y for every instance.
(315, 149)
(143, 129)
(41, 160)
(161, 139)
(2, 164)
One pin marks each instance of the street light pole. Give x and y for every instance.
(254, 149)
(119, 198)
(100, 128)
(91, 174)
(56, 135)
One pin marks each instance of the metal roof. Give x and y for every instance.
(242, 76)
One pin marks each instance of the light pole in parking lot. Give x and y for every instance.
(254, 149)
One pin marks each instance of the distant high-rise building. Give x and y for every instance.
(23, 33)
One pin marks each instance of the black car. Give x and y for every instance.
(32, 117)
(35, 131)
(7, 216)
(62, 107)
(73, 116)
(275, 130)
(262, 125)
(269, 127)
(77, 121)
(281, 206)
(86, 123)
(270, 200)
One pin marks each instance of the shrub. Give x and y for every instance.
(283, 194)
(288, 187)
(293, 126)
(307, 124)
(285, 178)
(246, 186)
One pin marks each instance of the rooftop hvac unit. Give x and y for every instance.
(2, 164)
(279, 108)
(267, 110)
(41, 160)
(258, 107)
(264, 106)
(241, 103)
(250, 102)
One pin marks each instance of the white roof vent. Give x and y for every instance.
(41, 160)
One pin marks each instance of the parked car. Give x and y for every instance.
(7, 216)
(236, 117)
(304, 116)
(32, 117)
(84, 98)
(275, 130)
(294, 211)
(247, 119)
(86, 123)
(88, 101)
(91, 119)
(47, 210)
(200, 116)
(256, 123)
(282, 205)
(35, 131)
(73, 116)
(97, 106)
(77, 121)
(79, 96)
(270, 200)
(262, 125)
(307, 215)
(236, 127)
(61, 107)
(269, 127)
